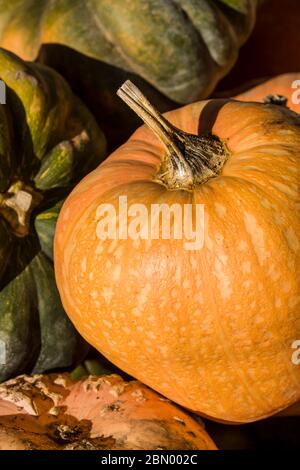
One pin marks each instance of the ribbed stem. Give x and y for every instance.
(190, 159)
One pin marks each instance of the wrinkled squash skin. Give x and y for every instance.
(48, 140)
(54, 412)
(181, 47)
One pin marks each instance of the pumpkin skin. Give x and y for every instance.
(182, 49)
(48, 141)
(52, 412)
(280, 85)
(210, 329)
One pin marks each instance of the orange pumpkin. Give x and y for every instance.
(287, 85)
(210, 328)
(52, 412)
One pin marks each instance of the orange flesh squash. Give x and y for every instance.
(210, 329)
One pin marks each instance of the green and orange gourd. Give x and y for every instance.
(48, 141)
(182, 48)
(174, 51)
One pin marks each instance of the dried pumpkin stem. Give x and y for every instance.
(190, 159)
(16, 206)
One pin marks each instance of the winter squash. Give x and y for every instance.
(73, 41)
(208, 325)
(182, 48)
(286, 85)
(52, 412)
(48, 140)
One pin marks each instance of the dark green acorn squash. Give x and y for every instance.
(181, 47)
(48, 141)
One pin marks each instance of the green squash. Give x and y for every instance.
(48, 141)
(181, 47)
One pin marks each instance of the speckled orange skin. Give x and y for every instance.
(211, 329)
(279, 85)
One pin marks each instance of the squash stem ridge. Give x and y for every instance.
(190, 160)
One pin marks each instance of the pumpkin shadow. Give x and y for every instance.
(209, 115)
